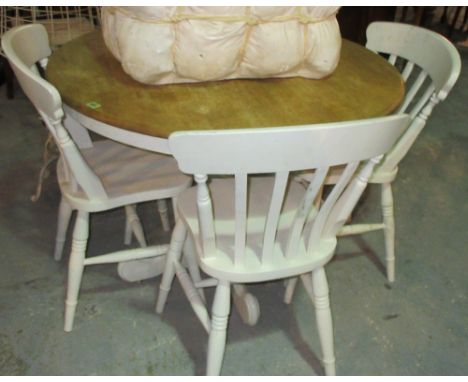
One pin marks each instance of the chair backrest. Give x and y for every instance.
(430, 66)
(281, 151)
(24, 47)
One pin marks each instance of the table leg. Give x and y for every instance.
(137, 270)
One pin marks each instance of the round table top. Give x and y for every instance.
(91, 81)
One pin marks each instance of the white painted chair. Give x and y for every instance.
(104, 148)
(255, 226)
(430, 66)
(99, 178)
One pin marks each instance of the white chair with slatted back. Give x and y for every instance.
(256, 226)
(133, 225)
(430, 66)
(103, 177)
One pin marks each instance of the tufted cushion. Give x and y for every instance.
(161, 45)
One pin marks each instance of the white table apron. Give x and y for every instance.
(142, 141)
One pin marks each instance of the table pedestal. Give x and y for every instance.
(137, 270)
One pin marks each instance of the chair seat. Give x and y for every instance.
(141, 176)
(221, 265)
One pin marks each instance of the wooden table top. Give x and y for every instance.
(92, 81)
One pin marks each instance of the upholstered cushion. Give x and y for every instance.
(160, 45)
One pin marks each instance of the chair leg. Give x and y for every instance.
(162, 209)
(128, 230)
(219, 320)
(76, 266)
(63, 219)
(308, 285)
(389, 230)
(174, 208)
(324, 319)
(192, 265)
(133, 224)
(290, 288)
(175, 251)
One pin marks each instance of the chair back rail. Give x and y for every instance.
(429, 50)
(430, 66)
(281, 151)
(23, 55)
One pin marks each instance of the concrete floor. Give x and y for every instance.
(417, 326)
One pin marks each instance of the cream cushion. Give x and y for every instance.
(161, 45)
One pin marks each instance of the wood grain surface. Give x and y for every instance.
(92, 81)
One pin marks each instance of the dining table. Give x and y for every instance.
(99, 95)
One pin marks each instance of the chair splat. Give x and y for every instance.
(241, 217)
(277, 199)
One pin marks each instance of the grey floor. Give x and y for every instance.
(417, 326)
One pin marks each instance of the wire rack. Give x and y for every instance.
(62, 23)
